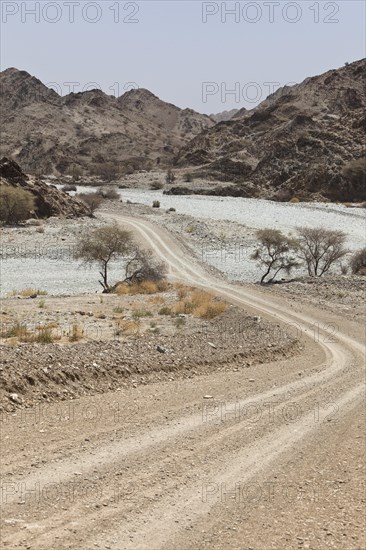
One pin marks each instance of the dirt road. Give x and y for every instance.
(269, 457)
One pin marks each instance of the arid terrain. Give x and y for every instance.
(153, 430)
(298, 143)
(304, 142)
(90, 131)
(182, 316)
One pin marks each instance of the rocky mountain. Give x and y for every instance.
(90, 132)
(224, 115)
(303, 141)
(49, 201)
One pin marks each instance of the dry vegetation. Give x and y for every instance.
(146, 307)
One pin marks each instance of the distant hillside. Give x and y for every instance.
(302, 141)
(90, 132)
(225, 115)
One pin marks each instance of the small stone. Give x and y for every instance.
(14, 397)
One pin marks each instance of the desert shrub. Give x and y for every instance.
(76, 333)
(44, 336)
(163, 285)
(358, 261)
(165, 311)
(142, 266)
(143, 287)
(180, 322)
(148, 287)
(16, 205)
(126, 327)
(156, 185)
(170, 177)
(122, 289)
(108, 193)
(201, 304)
(210, 310)
(188, 177)
(139, 313)
(294, 200)
(156, 204)
(171, 210)
(16, 330)
(181, 290)
(28, 292)
(91, 200)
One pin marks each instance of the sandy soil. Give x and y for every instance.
(270, 456)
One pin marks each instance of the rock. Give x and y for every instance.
(49, 201)
(207, 397)
(212, 345)
(160, 349)
(14, 397)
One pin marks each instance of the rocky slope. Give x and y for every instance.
(304, 141)
(224, 115)
(49, 200)
(90, 132)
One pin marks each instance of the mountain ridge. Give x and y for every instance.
(299, 141)
(86, 131)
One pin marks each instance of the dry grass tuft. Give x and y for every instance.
(27, 292)
(126, 327)
(76, 333)
(199, 303)
(145, 287)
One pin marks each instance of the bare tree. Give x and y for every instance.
(142, 266)
(358, 261)
(103, 246)
(275, 253)
(321, 248)
(91, 200)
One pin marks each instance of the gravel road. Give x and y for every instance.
(268, 457)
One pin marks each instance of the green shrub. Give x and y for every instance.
(165, 311)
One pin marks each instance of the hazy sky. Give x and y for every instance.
(189, 53)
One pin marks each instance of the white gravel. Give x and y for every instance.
(63, 275)
(258, 214)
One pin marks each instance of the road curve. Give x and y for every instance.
(168, 480)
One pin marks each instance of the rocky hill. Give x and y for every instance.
(302, 141)
(49, 201)
(224, 115)
(90, 132)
